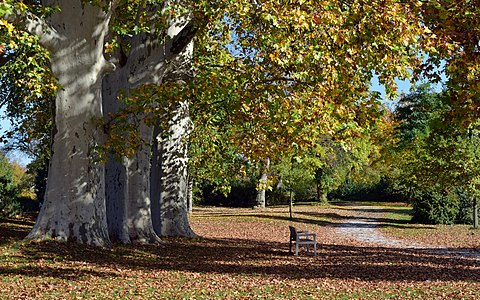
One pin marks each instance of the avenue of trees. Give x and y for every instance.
(131, 105)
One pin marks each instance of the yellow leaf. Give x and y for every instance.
(7, 25)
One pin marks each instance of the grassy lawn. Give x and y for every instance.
(452, 236)
(243, 254)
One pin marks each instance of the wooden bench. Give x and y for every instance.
(302, 238)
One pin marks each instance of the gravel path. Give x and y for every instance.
(365, 229)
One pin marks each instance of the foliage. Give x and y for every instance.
(451, 38)
(27, 88)
(435, 161)
(279, 89)
(431, 206)
(37, 170)
(9, 190)
(241, 194)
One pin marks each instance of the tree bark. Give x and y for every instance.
(170, 214)
(116, 188)
(475, 213)
(75, 202)
(260, 201)
(128, 178)
(74, 206)
(138, 185)
(190, 195)
(170, 154)
(135, 214)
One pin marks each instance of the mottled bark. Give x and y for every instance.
(128, 178)
(74, 206)
(116, 189)
(190, 195)
(138, 185)
(171, 159)
(260, 201)
(128, 198)
(75, 201)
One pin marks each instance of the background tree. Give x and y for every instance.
(438, 163)
(9, 189)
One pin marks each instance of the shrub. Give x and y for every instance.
(9, 205)
(433, 207)
(465, 213)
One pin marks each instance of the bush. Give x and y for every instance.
(242, 194)
(465, 213)
(9, 205)
(433, 207)
(381, 192)
(277, 197)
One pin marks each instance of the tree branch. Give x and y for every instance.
(183, 38)
(34, 25)
(148, 58)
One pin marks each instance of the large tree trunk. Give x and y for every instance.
(116, 188)
(138, 181)
(147, 63)
(170, 154)
(128, 178)
(74, 206)
(169, 176)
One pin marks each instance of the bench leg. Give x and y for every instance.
(296, 249)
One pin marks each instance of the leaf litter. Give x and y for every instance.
(243, 254)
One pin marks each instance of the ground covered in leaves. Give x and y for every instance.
(243, 254)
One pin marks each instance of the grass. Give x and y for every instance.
(243, 255)
(452, 236)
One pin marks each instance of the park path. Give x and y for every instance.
(363, 227)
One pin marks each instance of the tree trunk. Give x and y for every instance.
(170, 154)
(260, 201)
(323, 196)
(116, 188)
(290, 204)
(475, 213)
(138, 189)
(74, 206)
(190, 195)
(170, 213)
(128, 178)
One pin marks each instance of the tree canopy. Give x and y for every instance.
(262, 77)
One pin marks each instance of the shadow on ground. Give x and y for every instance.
(246, 257)
(233, 256)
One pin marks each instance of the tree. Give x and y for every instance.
(451, 38)
(321, 79)
(9, 190)
(75, 36)
(139, 213)
(438, 162)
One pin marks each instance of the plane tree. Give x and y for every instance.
(299, 70)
